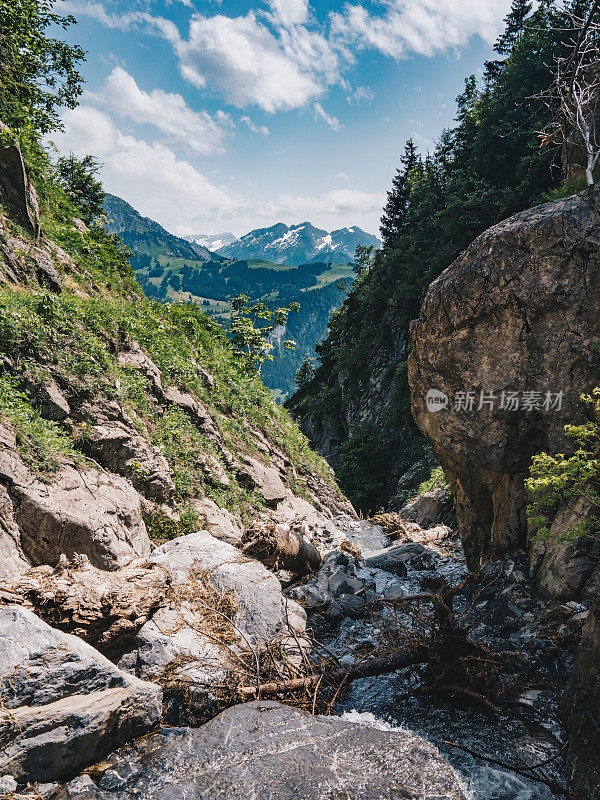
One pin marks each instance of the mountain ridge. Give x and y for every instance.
(300, 244)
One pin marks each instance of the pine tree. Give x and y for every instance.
(394, 213)
(305, 372)
(515, 24)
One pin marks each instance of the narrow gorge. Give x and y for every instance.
(389, 586)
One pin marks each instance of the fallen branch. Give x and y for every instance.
(367, 669)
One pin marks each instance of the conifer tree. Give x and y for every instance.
(394, 213)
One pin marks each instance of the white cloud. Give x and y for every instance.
(333, 122)
(149, 176)
(342, 176)
(290, 12)
(166, 111)
(419, 26)
(262, 129)
(248, 64)
(351, 203)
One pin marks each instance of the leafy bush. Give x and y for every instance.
(559, 481)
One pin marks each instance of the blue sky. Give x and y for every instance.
(225, 116)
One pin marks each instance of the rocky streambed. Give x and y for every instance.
(387, 736)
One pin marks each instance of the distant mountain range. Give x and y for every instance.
(299, 244)
(279, 264)
(212, 241)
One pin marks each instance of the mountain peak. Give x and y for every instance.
(299, 244)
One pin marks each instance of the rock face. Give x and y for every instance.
(582, 710)
(285, 752)
(64, 706)
(16, 190)
(81, 511)
(519, 311)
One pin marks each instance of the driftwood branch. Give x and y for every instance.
(367, 669)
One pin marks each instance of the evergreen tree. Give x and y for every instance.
(78, 179)
(394, 213)
(514, 25)
(305, 372)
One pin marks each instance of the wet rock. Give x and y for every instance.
(220, 522)
(82, 511)
(351, 605)
(265, 480)
(341, 582)
(485, 326)
(288, 754)
(428, 509)
(395, 559)
(64, 706)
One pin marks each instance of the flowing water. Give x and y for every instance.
(526, 730)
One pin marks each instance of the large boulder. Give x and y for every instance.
(221, 605)
(265, 749)
(428, 509)
(517, 312)
(266, 480)
(64, 706)
(81, 511)
(103, 608)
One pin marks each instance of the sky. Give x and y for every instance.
(213, 116)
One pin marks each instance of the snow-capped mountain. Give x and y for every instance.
(212, 241)
(299, 244)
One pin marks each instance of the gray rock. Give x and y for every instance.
(46, 273)
(581, 708)
(53, 403)
(7, 784)
(220, 522)
(12, 558)
(83, 511)
(192, 407)
(267, 750)
(133, 357)
(262, 608)
(351, 605)
(119, 448)
(517, 311)
(64, 706)
(567, 563)
(265, 480)
(427, 509)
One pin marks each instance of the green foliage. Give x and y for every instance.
(560, 481)
(38, 73)
(77, 177)
(252, 340)
(362, 469)
(437, 480)
(40, 442)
